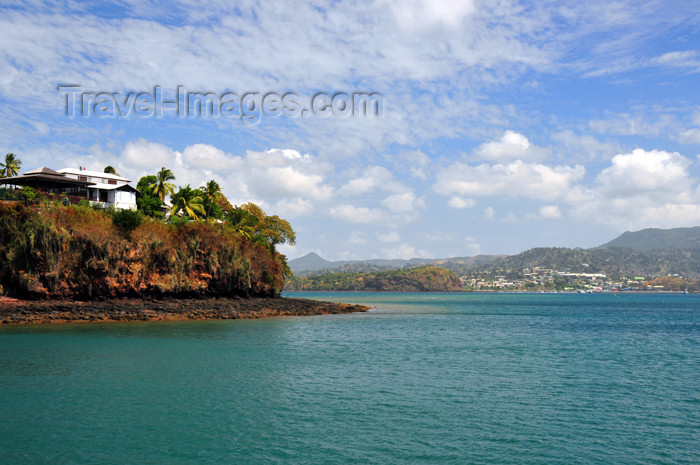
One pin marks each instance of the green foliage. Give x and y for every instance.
(271, 230)
(51, 251)
(126, 220)
(210, 194)
(29, 193)
(613, 261)
(11, 166)
(162, 187)
(187, 202)
(148, 203)
(110, 170)
(421, 279)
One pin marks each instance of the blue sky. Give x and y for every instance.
(506, 125)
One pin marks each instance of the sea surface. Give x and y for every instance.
(420, 379)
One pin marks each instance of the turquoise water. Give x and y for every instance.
(421, 379)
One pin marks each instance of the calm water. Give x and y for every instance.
(422, 379)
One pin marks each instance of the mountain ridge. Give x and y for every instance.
(649, 251)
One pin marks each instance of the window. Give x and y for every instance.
(82, 178)
(112, 181)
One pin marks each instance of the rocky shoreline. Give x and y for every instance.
(14, 311)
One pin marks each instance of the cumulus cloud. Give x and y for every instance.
(518, 178)
(353, 214)
(459, 202)
(641, 189)
(645, 172)
(546, 212)
(292, 208)
(403, 203)
(372, 178)
(149, 155)
(511, 146)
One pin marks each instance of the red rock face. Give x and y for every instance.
(67, 252)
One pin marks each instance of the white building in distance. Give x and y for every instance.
(106, 190)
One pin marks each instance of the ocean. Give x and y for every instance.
(420, 379)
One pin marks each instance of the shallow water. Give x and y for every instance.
(422, 378)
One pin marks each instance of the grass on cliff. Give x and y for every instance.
(72, 251)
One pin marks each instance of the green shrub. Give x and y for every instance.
(126, 220)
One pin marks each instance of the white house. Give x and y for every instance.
(107, 190)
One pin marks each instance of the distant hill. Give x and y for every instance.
(655, 239)
(312, 263)
(420, 279)
(649, 252)
(612, 261)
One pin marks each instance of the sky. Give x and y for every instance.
(499, 125)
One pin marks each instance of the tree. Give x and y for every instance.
(162, 187)
(110, 170)
(188, 201)
(211, 193)
(242, 222)
(11, 166)
(147, 202)
(272, 229)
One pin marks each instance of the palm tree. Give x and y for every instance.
(212, 192)
(189, 201)
(242, 222)
(162, 187)
(110, 170)
(11, 166)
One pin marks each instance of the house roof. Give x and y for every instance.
(29, 179)
(112, 187)
(95, 174)
(44, 170)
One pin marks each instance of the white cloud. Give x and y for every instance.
(531, 180)
(584, 146)
(372, 178)
(645, 172)
(641, 189)
(489, 213)
(421, 14)
(690, 136)
(473, 247)
(402, 203)
(680, 59)
(357, 237)
(405, 251)
(459, 202)
(389, 236)
(207, 156)
(292, 208)
(550, 211)
(511, 146)
(352, 214)
(149, 155)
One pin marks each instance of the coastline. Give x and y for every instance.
(22, 312)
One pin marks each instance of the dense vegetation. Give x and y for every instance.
(613, 261)
(654, 239)
(53, 250)
(423, 279)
